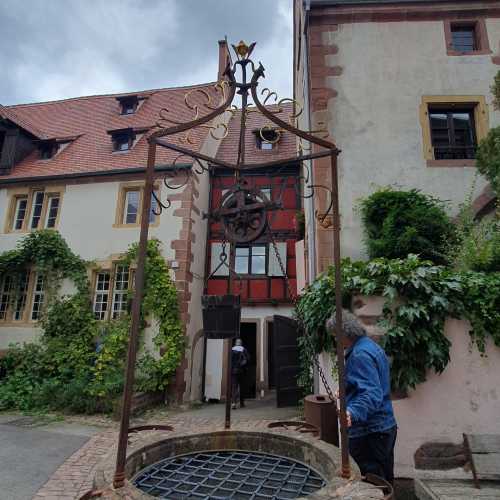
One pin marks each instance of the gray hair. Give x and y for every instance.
(351, 326)
(238, 342)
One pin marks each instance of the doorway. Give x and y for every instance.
(248, 335)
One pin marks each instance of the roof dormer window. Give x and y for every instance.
(122, 139)
(128, 104)
(267, 138)
(48, 149)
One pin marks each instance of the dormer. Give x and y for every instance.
(123, 139)
(129, 103)
(48, 149)
(267, 138)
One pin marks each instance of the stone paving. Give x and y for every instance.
(75, 476)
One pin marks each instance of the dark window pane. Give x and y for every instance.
(452, 133)
(36, 209)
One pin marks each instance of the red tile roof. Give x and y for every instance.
(89, 119)
(285, 148)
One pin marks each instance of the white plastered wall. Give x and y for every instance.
(87, 215)
(386, 69)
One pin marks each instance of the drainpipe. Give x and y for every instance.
(311, 222)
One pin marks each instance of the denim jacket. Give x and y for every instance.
(368, 388)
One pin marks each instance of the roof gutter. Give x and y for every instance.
(82, 175)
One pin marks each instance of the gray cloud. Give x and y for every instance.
(54, 49)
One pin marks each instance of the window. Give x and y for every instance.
(122, 142)
(468, 37)
(464, 38)
(128, 104)
(112, 291)
(48, 149)
(5, 291)
(21, 296)
(37, 303)
(250, 260)
(33, 209)
(129, 206)
(36, 209)
(453, 133)
(120, 295)
(53, 210)
(267, 193)
(267, 138)
(452, 126)
(101, 295)
(20, 213)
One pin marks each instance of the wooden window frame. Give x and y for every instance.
(481, 121)
(480, 33)
(123, 189)
(28, 193)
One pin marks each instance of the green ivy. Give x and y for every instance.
(78, 363)
(488, 159)
(419, 296)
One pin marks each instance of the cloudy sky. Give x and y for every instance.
(53, 49)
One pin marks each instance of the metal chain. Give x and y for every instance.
(308, 338)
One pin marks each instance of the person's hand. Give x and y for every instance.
(349, 419)
(337, 394)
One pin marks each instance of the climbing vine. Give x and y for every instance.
(77, 364)
(419, 296)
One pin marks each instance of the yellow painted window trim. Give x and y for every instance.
(26, 317)
(123, 189)
(28, 192)
(481, 118)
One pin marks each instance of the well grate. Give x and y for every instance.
(238, 475)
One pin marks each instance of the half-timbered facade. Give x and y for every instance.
(265, 270)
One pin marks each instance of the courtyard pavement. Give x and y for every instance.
(31, 450)
(57, 460)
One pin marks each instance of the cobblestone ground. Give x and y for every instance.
(75, 476)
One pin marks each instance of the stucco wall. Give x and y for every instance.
(385, 69)
(465, 398)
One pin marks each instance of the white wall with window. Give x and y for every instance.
(380, 131)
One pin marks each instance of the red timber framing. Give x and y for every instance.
(266, 286)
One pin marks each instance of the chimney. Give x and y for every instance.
(224, 58)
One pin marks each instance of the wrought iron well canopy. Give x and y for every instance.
(244, 209)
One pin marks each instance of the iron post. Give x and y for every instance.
(344, 440)
(119, 477)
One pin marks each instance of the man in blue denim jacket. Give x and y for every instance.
(372, 426)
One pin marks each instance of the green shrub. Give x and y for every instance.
(399, 223)
(488, 159)
(65, 370)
